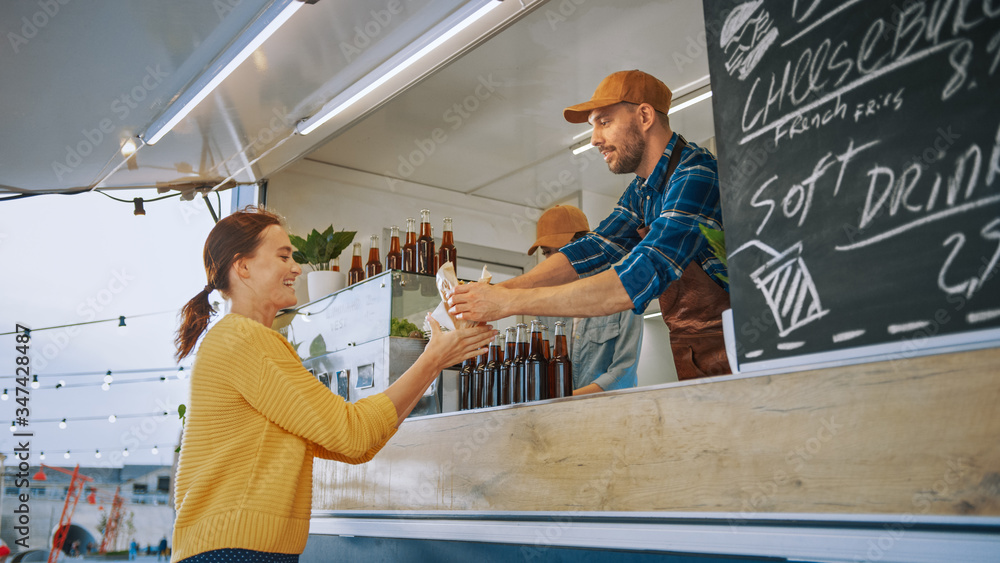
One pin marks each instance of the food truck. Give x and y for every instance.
(858, 150)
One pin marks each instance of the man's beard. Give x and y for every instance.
(630, 152)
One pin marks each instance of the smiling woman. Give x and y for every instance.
(258, 417)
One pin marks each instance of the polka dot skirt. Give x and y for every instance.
(229, 555)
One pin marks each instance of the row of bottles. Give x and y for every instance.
(416, 255)
(518, 370)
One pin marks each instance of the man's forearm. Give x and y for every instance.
(595, 296)
(556, 270)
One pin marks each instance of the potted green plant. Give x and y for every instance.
(319, 250)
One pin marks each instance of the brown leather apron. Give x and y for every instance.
(692, 308)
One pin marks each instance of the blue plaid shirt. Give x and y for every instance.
(673, 211)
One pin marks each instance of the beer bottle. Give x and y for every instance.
(547, 351)
(394, 258)
(480, 392)
(561, 384)
(335, 264)
(448, 253)
(357, 271)
(374, 265)
(465, 385)
(493, 376)
(410, 247)
(506, 382)
(546, 348)
(425, 245)
(437, 257)
(517, 366)
(536, 367)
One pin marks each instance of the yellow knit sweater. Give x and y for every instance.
(256, 419)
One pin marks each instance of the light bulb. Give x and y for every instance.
(125, 452)
(155, 450)
(112, 418)
(105, 386)
(97, 454)
(4, 396)
(12, 427)
(180, 374)
(41, 456)
(62, 424)
(108, 378)
(66, 455)
(34, 382)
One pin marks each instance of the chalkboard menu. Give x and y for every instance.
(859, 160)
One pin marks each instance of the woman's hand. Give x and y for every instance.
(449, 348)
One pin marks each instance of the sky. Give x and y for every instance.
(72, 259)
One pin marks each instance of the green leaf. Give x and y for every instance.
(717, 242)
(319, 248)
(181, 411)
(317, 347)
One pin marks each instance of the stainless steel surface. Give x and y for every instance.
(796, 537)
(344, 338)
(350, 317)
(80, 81)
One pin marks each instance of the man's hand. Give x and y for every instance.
(480, 302)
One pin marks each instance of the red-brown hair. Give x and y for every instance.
(235, 236)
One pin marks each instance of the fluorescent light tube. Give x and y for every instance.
(186, 103)
(336, 107)
(583, 148)
(690, 102)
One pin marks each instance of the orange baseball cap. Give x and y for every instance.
(557, 226)
(632, 86)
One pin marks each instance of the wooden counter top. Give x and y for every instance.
(910, 436)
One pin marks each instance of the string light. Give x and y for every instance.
(120, 319)
(12, 427)
(105, 386)
(108, 377)
(34, 382)
(97, 454)
(4, 396)
(41, 456)
(66, 455)
(63, 421)
(124, 452)
(155, 450)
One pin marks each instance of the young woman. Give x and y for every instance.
(257, 417)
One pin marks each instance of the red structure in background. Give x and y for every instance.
(114, 519)
(76, 484)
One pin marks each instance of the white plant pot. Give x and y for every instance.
(324, 283)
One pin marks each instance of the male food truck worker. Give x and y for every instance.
(604, 351)
(649, 246)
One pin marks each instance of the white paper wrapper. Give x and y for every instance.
(447, 281)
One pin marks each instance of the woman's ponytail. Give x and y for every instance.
(194, 320)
